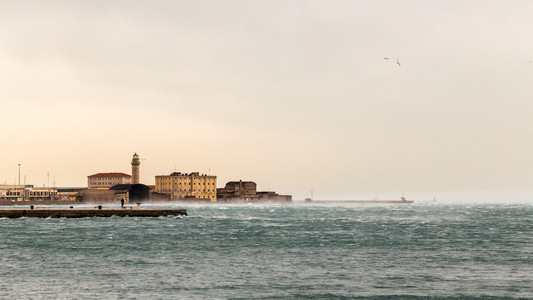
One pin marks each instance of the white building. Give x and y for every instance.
(19, 193)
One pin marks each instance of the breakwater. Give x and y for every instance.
(88, 212)
(359, 202)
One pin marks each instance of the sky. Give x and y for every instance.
(297, 96)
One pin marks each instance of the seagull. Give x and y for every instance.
(398, 62)
(386, 58)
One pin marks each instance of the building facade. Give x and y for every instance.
(107, 180)
(238, 189)
(246, 191)
(183, 186)
(12, 192)
(18, 193)
(130, 193)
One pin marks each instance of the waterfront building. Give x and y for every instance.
(12, 192)
(183, 186)
(239, 189)
(19, 193)
(246, 191)
(40, 194)
(69, 193)
(107, 180)
(130, 193)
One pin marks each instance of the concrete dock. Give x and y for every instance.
(88, 212)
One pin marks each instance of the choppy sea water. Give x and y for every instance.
(275, 251)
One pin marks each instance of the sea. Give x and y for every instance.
(296, 251)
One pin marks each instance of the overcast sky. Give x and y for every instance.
(294, 95)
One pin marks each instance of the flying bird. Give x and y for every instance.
(386, 58)
(398, 62)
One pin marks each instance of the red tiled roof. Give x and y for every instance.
(109, 175)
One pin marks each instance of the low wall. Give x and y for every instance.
(84, 213)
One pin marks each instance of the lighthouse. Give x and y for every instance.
(135, 172)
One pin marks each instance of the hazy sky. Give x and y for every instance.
(294, 95)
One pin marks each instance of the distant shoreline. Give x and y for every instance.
(184, 202)
(357, 202)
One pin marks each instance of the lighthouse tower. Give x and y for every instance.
(135, 163)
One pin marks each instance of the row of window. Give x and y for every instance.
(181, 183)
(43, 193)
(13, 193)
(187, 180)
(194, 190)
(189, 190)
(38, 193)
(106, 178)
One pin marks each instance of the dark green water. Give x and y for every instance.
(296, 251)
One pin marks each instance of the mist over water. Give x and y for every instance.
(275, 251)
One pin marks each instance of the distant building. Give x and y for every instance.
(19, 193)
(246, 191)
(107, 180)
(238, 189)
(69, 193)
(183, 186)
(13, 192)
(41, 194)
(130, 193)
(97, 196)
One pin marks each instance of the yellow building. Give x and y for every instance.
(187, 186)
